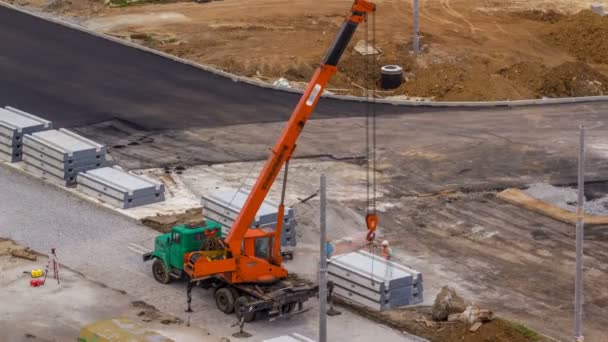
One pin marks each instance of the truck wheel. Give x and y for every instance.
(242, 304)
(288, 308)
(160, 272)
(224, 300)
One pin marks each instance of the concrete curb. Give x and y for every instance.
(235, 78)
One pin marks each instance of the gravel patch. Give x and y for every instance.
(566, 198)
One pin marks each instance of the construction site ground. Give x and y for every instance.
(473, 49)
(438, 171)
(438, 174)
(57, 311)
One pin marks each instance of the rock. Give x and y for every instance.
(475, 327)
(457, 317)
(474, 314)
(447, 302)
(282, 83)
(24, 254)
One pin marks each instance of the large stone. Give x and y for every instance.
(447, 302)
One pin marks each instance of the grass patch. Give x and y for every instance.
(525, 331)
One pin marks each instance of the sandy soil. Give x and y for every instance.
(57, 311)
(474, 50)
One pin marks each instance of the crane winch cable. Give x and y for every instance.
(370, 137)
(370, 129)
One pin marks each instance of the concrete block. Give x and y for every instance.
(229, 204)
(130, 203)
(11, 151)
(15, 123)
(120, 184)
(64, 164)
(288, 234)
(375, 281)
(8, 157)
(46, 176)
(360, 300)
(64, 145)
(69, 174)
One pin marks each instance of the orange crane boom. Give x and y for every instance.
(241, 262)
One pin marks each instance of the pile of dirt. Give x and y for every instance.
(550, 16)
(149, 313)
(418, 321)
(583, 34)
(164, 223)
(574, 79)
(9, 247)
(526, 74)
(565, 80)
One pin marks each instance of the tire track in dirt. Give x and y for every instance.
(447, 6)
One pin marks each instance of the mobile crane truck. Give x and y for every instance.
(245, 268)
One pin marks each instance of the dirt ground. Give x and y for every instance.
(438, 176)
(57, 312)
(418, 321)
(473, 50)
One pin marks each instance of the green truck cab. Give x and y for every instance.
(170, 248)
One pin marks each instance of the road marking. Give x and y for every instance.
(137, 249)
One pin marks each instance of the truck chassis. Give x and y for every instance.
(251, 301)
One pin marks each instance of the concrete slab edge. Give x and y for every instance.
(45, 123)
(235, 78)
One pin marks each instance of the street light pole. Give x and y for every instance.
(580, 227)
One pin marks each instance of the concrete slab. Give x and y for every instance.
(120, 184)
(105, 198)
(64, 145)
(8, 157)
(14, 122)
(67, 174)
(47, 176)
(10, 153)
(230, 202)
(64, 164)
(288, 235)
(367, 268)
(375, 282)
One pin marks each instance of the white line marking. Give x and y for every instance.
(137, 248)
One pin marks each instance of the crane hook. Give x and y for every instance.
(372, 224)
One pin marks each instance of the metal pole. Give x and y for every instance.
(323, 266)
(580, 226)
(416, 27)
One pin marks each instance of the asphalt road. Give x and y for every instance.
(76, 79)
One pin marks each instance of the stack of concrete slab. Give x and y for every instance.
(59, 155)
(119, 188)
(224, 206)
(14, 124)
(374, 282)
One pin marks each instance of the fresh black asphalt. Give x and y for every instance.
(76, 79)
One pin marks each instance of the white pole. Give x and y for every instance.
(323, 266)
(580, 227)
